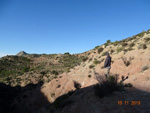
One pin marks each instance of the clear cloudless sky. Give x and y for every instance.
(75, 26)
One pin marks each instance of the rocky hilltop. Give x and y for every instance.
(65, 83)
(21, 53)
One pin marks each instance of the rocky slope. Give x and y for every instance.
(130, 57)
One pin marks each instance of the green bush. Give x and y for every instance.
(100, 50)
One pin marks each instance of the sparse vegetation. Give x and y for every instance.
(147, 39)
(107, 43)
(55, 72)
(116, 43)
(131, 45)
(15, 66)
(90, 59)
(104, 53)
(107, 86)
(100, 50)
(96, 61)
(124, 44)
(84, 59)
(96, 47)
(119, 49)
(62, 101)
(147, 78)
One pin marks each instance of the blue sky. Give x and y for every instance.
(75, 26)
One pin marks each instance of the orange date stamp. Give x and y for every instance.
(133, 103)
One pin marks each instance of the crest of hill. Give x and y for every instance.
(21, 53)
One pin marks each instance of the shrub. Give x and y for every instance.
(59, 86)
(131, 45)
(52, 94)
(128, 85)
(91, 66)
(89, 76)
(142, 46)
(116, 43)
(104, 53)
(54, 72)
(111, 51)
(101, 60)
(96, 47)
(77, 85)
(84, 59)
(124, 44)
(67, 53)
(90, 59)
(147, 39)
(108, 41)
(107, 86)
(144, 68)
(102, 67)
(62, 101)
(100, 50)
(119, 49)
(96, 62)
(126, 62)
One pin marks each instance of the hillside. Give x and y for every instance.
(47, 82)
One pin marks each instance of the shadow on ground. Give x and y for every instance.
(29, 99)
